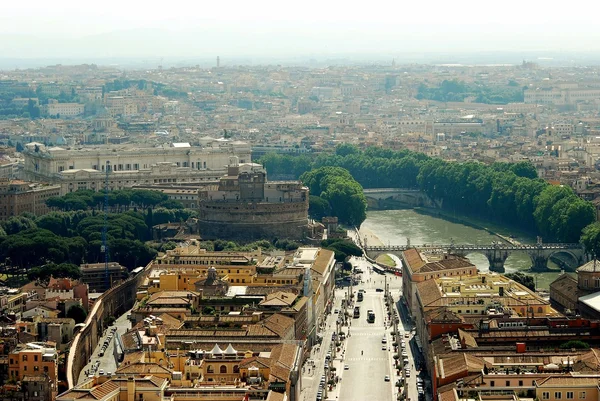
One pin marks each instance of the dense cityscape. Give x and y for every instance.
(357, 231)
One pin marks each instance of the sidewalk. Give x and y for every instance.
(310, 381)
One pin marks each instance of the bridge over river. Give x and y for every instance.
(496, 253)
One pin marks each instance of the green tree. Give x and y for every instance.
(346, 149)
(77, 313)
(341, 191)
(16, 224)
(522, 278)
(318, 207)
(590, 238)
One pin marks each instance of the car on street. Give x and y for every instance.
(386, 378)
(101, 371)
(336, 311)
(405, 335)
(384, 340)
(379, 289)
(407, 372)
(383, 347)
(346, 367)
(404, 354)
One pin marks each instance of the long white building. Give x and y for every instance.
(85, 167)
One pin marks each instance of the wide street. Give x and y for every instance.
(105, 363)
(363, 350)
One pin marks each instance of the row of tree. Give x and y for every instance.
(506, 192)
(457, 91)
(118, 200)
(27, 242)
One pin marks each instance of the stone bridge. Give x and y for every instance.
(412, 197)
(496, 253)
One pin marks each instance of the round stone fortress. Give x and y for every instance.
(245, 206)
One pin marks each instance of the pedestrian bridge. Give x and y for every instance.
(496, 253)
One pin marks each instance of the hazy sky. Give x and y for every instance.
(69, 28)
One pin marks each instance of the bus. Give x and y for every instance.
(356, 312)
(370, 316)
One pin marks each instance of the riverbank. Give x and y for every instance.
(496, 230)
(370, 237)
(400, 226)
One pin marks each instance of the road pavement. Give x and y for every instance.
(107, 361)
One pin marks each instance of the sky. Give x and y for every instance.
(176, 28)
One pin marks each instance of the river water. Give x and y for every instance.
(395, 226)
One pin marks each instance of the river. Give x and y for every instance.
(395, 226)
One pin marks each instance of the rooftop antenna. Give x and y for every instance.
(104, 247)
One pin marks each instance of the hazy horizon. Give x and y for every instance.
(264, 29)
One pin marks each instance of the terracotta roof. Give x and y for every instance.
(146, 381)
(444, 315)
(95, 393)
(257, 361)
(451, 366)
(141, 368)
(275, 396)
(428, 291)
(566, 285)
(133, 357)
(284, 354)
(413, 259)
(322, 261)
(279, 298)
(279, 373)
(446, 264)
(591, 266)
(562, 381)
(467, 339)
(279, 324)
(448, 395)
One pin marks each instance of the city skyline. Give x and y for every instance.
(265, 30)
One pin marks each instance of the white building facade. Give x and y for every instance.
(85, 167)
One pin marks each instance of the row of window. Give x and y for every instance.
(222, 369)
(570, 395)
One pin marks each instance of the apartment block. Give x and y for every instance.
(18, 196)
(33, 359)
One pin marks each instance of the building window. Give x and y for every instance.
(570, 395)
(492, 383)
(520, 383)
(46, 369)
(24, 358)
(210, 369)
(508, 383)
(223, 369)
(582, 395)
(557, 395)
(35, 358)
